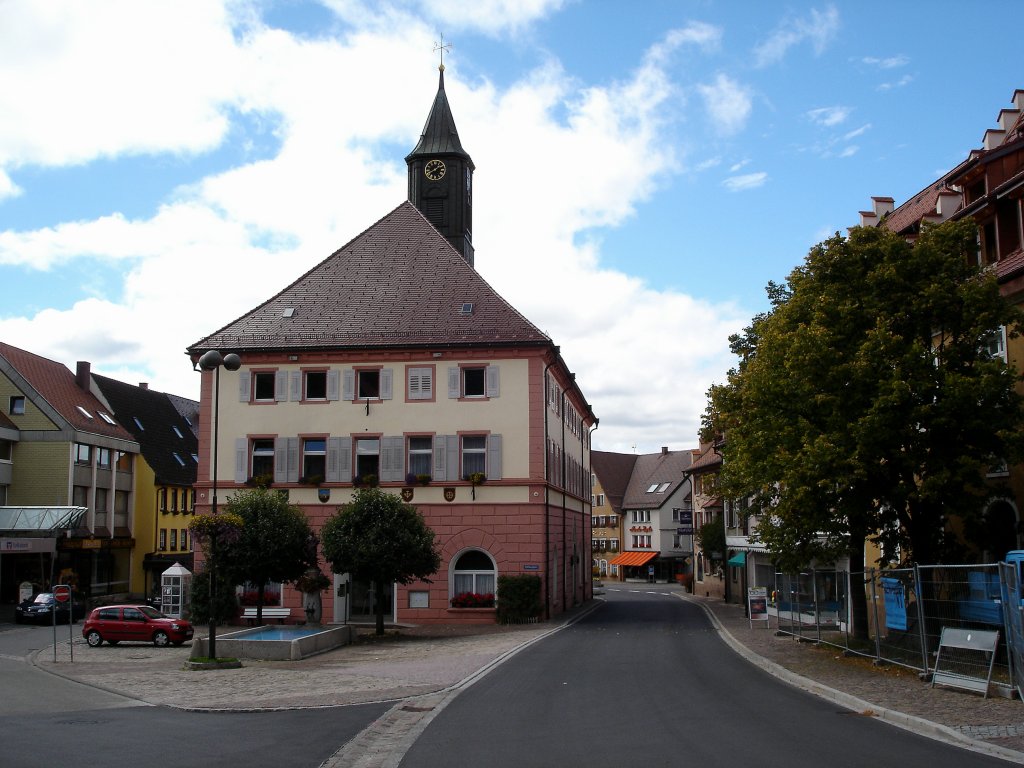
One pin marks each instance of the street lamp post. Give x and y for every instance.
(214, 361)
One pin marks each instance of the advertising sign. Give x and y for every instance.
(757, 604)
(895, 603)
(685, 517)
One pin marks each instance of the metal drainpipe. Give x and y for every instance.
(590, 474)
(565, 604)
(547, 505)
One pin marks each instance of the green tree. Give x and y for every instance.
(378, 538)
(865, 402)
(273, 544)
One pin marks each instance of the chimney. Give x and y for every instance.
(83, 374)
(143, 385)
(664, 450)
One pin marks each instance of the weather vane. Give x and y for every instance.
(442, 47)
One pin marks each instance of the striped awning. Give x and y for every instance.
(633, 558)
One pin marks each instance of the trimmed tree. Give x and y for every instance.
(380, 539)
(273, 545)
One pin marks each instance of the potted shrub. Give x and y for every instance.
(260, 481)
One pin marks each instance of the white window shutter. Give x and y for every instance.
(280, 459)
(386, 383)
(333, 468)
(244, 386)
(296, 394)
(454, 388)
(494, 457)
(452, 459)
(421, 383)
(293, 459)
(493, 381)
(333, 385)
(345, 460)
(241, 459)
(281, 386)
(348, 385)
(391, 453)
(440, 455)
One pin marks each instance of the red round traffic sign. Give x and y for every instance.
(62, 593)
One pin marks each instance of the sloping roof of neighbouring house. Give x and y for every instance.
(613, 471)
(398, 284)
(656, 477)
(58, 388)
(165, 437)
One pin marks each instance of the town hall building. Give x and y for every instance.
(393, 362)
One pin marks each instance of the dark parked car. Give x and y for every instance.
(114, 623)
(39, 610)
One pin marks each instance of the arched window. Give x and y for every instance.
(474, 572)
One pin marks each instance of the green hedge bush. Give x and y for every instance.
(519, 599)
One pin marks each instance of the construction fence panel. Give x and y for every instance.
(903, 614)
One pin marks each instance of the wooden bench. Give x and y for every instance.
(269, 612)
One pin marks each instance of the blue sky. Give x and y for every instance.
(643, 169)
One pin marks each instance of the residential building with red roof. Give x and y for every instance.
(66, 480)
(988, 186)
(394, 362)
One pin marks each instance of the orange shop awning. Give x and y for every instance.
(633, 558)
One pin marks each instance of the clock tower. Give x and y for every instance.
(441, 176)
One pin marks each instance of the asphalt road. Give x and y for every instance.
(645, 681)
(47, 721)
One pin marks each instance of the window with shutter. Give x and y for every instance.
(420, 383)
(316, 385)
(421, 455)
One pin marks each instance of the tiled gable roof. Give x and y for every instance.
(613, 471)
(664, 467)
(398, 284)
(56, 385)
(908, 216)
(709, 460)
(152, 418)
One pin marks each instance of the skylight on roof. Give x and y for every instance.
(658, 487)
(177, 431)
(467, 309)
(288, 312)
(178, 458)
(84, 412)
(138, 423)
(106, 418)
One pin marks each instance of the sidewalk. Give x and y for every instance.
(433, 660)
(892, 693)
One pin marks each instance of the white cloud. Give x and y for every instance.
(217, 248)
(889, 62)
(849, 151)
(135, 76)
(857, 132)
(728, 103)
(829, 116)
(819, 28)
(745, 182)
(8, 188)
(902, 82)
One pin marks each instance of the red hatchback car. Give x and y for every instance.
(114, 623)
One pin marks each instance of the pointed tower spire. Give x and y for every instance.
(441, 174)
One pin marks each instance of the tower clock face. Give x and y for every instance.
(434, 170)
